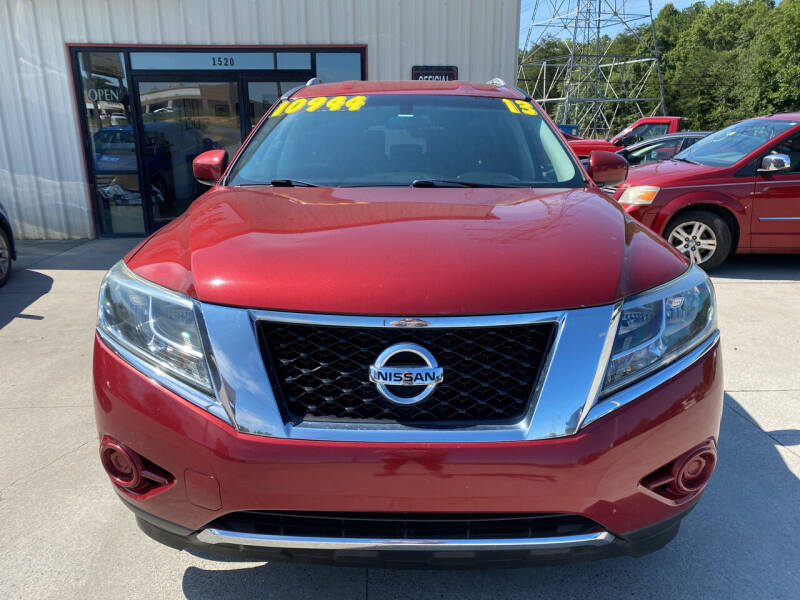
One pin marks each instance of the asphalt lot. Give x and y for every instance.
(66, 535)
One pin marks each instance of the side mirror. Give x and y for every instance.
(607, 168)
(773, 163)
(209, 166)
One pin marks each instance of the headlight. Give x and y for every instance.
(658, 327)
(155, 325)
(639, 194)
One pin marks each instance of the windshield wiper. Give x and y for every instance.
(291, 183)
(456, 182)
(686, 160)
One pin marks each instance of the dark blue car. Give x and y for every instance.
(7, 250)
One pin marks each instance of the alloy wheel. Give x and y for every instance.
(695, 240)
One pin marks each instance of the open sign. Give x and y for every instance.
(104, 94)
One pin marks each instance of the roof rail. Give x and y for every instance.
(525, 94)
(312, 81)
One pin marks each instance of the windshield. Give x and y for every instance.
(728, 146)
(394, 140)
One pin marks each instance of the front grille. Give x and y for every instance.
(414, 526)
(321, 373)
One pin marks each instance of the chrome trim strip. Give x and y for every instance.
(220, 390)
(221, 536)
(433, 322)
(160, 378)
(779, 218)
(602, 364)
(643, 386)
(241, 369)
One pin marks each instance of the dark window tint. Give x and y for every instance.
(791, 148)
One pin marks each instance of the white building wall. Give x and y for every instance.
(42, 175)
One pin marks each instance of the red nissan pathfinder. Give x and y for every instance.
(404, 327)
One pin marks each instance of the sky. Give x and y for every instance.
(527, 7)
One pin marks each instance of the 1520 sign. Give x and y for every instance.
(222, 61)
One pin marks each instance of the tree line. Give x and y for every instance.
(721, 62)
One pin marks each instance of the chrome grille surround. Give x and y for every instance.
(567, 386)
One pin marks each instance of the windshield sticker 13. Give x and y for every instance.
(321, 103)
(519, 107)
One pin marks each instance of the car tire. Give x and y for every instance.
(702, 236)
(5, 257)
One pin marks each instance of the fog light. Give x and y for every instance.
(693, 470)
(122, 465)
(682, 479)
(131, 471)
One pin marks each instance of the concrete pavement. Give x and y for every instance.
(66, 535)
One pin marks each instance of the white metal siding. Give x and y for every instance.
(42, 178)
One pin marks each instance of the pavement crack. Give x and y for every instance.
(38, 470)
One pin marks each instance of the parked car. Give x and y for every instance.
(736, 190)
(401, 328)
(8, 252)
(659, 148)
(654, 149)
(641, 129)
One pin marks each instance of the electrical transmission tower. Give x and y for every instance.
(593, 63)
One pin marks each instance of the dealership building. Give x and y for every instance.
(105, 103)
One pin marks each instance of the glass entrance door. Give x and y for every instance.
(146, 113)
(179, 120)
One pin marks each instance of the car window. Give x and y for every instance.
(653, 152)
(689, 141)
(645, 131)
(728, 146)
(392, 140)
(791, 148)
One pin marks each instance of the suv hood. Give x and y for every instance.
(406, 251)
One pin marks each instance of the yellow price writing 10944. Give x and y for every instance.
(320, 103)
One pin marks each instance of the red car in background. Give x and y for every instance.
(641, 129)
(405, 327)
(736, 190)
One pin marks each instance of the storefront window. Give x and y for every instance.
(294, 60)
(109, 120)
(182, 119)
(120, 203)
(338, 66)
(143, 126)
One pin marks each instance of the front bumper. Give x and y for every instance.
(449, 554)
(595, 473)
